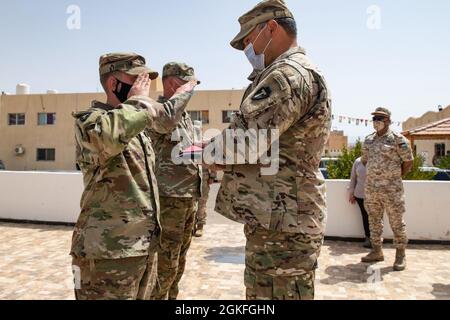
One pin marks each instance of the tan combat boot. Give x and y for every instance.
(376, 255)
(198, 232)
(400, 260)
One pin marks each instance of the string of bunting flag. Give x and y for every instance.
(358, 121)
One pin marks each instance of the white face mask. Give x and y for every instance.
(256, 60)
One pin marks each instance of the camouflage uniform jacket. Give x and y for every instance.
(176, 180)
(120, 204)
(289, 95)
(384, 157)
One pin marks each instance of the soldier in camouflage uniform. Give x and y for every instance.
(388, 156)
(208, 179)
(179, 187)
(284, 213)
(117, 232)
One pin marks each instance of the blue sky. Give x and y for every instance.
(404, 65)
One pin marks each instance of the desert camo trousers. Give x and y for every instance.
(280, 266)
(115, 279)
(202, 202)
(391, 201)
(177, 223)
(201, 212)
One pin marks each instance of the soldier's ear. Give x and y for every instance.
(111, 82)
(272, 26)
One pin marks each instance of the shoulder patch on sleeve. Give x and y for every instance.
(262, 94)
(282, 82)
(81, 116)
(294, 81)
(84, 117)
(401, 141)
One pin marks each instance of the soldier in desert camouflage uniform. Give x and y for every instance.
(284, 213)
(179, 187)
(208, 178)
(115, 238)
(388, 156)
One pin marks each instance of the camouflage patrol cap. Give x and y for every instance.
(263, 12)
(129, 63)
(382, 112)
(179, 70)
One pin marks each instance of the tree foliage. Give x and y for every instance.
(444, 163)
(342, 169)
(416, 173)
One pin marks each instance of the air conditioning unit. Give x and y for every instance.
(19, 150)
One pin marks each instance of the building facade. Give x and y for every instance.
(37, 130)
(427, 118)
(336, 144)
(430, 135)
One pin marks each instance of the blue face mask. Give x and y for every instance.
(256, 60)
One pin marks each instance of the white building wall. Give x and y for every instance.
(427, 211)
(40, 196)
(55, 197)
(427, 149)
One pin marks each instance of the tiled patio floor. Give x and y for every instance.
(34, 264)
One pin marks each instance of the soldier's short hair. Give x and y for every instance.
(288, 24)
(104, 78)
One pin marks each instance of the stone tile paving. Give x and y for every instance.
(34, 264)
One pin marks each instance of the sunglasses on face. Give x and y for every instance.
(379, 118)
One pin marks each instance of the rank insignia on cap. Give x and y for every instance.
(262, 94)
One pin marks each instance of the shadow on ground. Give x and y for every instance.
(355, 273)
(345, 248)
(339, 248)
(38, 227)
(441, 291)
(232, 255)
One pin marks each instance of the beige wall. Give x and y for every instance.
(427, 118)
(426, 148)
(337, 142)
(61, 135)
(216, 102)
(31, 136)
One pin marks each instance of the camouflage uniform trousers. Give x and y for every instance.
(201, 212)
(177, 222)
(280, 266)
(115, 279)
(202, 202)
(391, 200)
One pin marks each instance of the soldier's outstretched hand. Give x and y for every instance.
(141, 86)
(188, 87)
